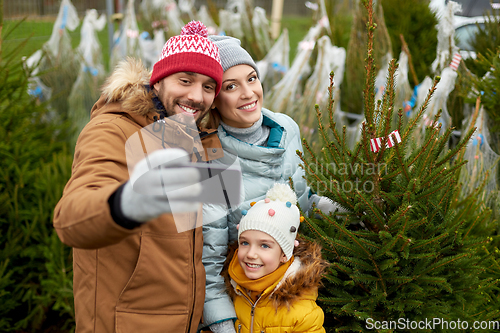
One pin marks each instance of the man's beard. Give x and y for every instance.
(170, 111)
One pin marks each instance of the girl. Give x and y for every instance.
(273, 286)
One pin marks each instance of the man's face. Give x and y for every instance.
(186, 93)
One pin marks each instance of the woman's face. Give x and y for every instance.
(240, 99)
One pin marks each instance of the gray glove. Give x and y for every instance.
(223, 327)
(156, 186)
(326, 205)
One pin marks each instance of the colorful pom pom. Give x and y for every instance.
(244, 212)
(288, 204)
(252, 203)
(302, 219)
(195, 28)
(267, 200)
(271, 212)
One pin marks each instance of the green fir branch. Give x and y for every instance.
(431, 190)
(443, 142)
(356, 263)
(388, 100)
(419, 244)
(331, 100)
(387, 247)
(365, 143)
(417, 156)
(325, 138)
(321, 234)
(427, 162)
(310, 171)
(443, 262)
(416, 224)
(344, 269)
(400, 213)
(402, 164)
(460, 145)
(445, 173)
(388, 263)
(370, 70)
(337, 300)
(436, 281)
(371, 210)
(412, 125)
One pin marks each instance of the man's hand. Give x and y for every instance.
(156, 186)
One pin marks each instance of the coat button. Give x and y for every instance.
(214, 150)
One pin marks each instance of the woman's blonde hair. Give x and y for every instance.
(212, 119)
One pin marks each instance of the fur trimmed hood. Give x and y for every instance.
(128, 84)
(301, 280)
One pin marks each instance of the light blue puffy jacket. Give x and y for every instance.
(261, 168)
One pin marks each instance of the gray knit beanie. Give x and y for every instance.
(231, 52)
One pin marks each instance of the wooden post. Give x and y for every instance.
(110, 10)
(410, 62)
(277, 13)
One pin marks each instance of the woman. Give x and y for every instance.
(265, 144)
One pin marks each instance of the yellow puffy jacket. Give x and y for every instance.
(289, 305)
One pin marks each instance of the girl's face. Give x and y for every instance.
(240, 99)
(259, 254)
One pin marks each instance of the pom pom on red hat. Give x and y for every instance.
(191, 51)
(195, 28)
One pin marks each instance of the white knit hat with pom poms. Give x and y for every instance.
(277, 215)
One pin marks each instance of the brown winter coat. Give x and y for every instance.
(149, 279)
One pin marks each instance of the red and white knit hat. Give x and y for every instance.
(191, 51)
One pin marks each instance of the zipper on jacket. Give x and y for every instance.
(239, 328)
(194, 280)
(252, 311)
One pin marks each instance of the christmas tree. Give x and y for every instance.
(409, 253)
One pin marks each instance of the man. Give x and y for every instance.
(133, 270)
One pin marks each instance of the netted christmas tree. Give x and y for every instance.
(410, 253)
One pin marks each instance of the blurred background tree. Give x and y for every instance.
(35, 267)
(354, 77)
(417, 23)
